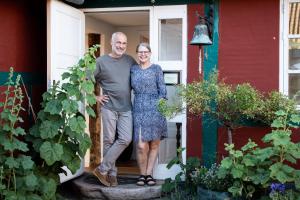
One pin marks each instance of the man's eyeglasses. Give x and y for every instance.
(143, 52)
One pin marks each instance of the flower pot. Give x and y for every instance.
(206, 194)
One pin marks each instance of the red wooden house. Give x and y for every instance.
(253, 41)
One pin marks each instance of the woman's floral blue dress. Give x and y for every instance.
(148, 86)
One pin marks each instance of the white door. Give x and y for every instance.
(65, 45)
(168, 38)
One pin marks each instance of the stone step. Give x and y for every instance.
(90, 188)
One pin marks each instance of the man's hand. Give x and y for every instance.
(102, 99)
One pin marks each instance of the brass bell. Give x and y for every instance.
(201, 36)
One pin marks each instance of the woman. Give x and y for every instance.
(149, 125)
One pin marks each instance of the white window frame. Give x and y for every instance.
(284, 70)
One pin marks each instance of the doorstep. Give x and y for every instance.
(90, 188)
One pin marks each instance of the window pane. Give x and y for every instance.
(294, 53)
(294, 86)
(170, 39)
(294, 18)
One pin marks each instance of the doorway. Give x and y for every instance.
(165, 28)
(135, 24)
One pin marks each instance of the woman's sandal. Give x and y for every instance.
(141, 180)
(150, 180)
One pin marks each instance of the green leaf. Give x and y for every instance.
(71, 89)
(84, 144)
(174, 161)
(7, 144)
(6, 127)
(90, 111)
(277, 123)
(70, 106)
(49, 129)
(34, 131)
(53, 107)
(31, 180)
(33, 197)
(263, 154)
(281, 172)
(295, 119)
(249, 160)
(12, 163)
(74, 165)
(77, 124)
(250, 145)
(51, 152)
(226, 163)
(18, 131)
(297, 183)
(280, 113)
(236, 191)
(88, 87)
(48, 188)
(65, 75)
(12, 118)
(91, 99)
(71, 134)
(22, 146)
(237, 171)
(281, 138)
(26, 162)
(260, 176)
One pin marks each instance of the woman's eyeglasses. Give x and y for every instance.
(143, 52)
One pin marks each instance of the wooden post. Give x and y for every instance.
(95, 133)
(95, 123)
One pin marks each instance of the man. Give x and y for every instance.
(113, 74)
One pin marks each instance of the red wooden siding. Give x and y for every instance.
(23, 42)
(194, 131)
(248, 52)
(249, 43)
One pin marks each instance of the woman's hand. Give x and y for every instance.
(102, 99)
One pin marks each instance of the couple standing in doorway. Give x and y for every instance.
(118, 74)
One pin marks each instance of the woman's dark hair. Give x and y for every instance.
(143, 44)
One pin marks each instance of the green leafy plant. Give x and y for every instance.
(16, 168)
(169, 110)
(273, 102)
(208, 178)
(228, 104)
(30, 163)
(178, 188)
(254, 168)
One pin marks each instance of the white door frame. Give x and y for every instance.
(165, 12)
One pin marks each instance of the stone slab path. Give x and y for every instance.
(87, 187)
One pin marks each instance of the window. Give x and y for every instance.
(291, 48)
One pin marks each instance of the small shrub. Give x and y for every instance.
(208, 179)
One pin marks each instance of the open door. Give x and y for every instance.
(169, 44)
(65, 46)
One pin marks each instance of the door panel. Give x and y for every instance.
(65, 41)
(65, 37)
(169, 43)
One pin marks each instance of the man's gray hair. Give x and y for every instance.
(115, 34)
